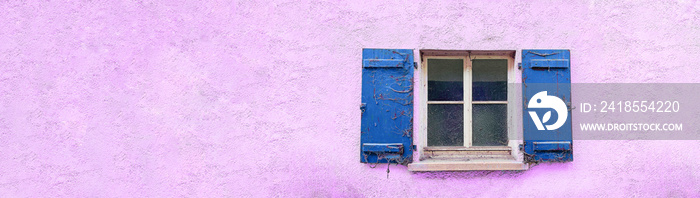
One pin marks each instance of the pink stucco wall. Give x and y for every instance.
(251, 98)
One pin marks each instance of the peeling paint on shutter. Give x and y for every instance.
(387, 106)
(547, 73)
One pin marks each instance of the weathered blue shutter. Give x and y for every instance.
(387, 106)
(545, 139)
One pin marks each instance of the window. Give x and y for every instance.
(469, 112)
(465, 107)
(480, 118)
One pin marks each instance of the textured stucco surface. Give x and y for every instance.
(253, 98)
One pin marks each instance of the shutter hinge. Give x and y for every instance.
(542, 55)
(363, 106)
(569, 107)
(415, 65)
(520, 66)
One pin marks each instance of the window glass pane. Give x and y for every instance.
(490, 80)
(445, 79)
(445, 125)
(489, 125)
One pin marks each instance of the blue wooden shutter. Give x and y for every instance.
(545, 139)
(387, 106)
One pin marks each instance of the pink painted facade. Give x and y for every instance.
(250, 98)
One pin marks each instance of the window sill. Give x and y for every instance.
(467, 165)
(467, 159)
(466, 152)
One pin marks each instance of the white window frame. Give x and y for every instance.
(468, 56)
